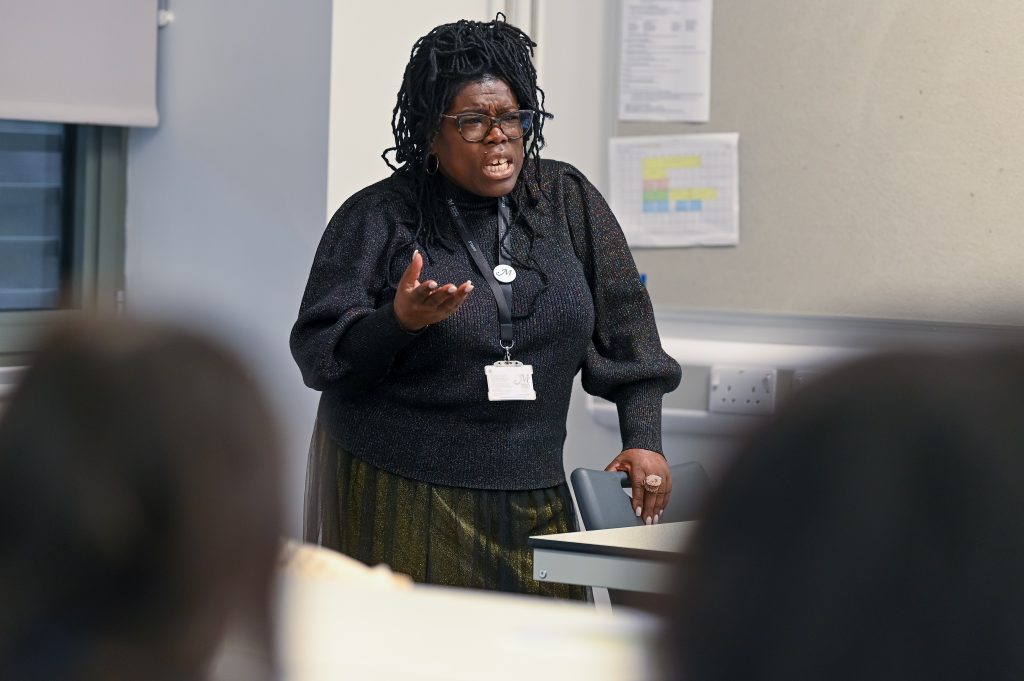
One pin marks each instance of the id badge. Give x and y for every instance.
(509, 380)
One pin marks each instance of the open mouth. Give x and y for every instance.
(499, 168)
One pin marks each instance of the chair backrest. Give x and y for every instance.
(603, 501)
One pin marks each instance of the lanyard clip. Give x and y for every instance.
(507, 348)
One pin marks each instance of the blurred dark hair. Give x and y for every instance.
(874, 530)
(140, 505)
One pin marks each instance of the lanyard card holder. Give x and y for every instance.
(506, 379)
(509, 380)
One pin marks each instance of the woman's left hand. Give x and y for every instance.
(638, 464)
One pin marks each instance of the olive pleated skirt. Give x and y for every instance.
(436, 534)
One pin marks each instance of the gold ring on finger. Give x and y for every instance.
(652, 483)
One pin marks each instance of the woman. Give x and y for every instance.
(138, 488)
(435, 450)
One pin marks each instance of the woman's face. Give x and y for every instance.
(489, 167)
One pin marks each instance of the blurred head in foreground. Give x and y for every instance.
(874, 530)
(138, 492)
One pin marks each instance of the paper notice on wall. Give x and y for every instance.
(677, 190)
(665, 70)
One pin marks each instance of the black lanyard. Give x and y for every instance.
(502, 292)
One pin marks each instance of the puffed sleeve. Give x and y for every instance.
(625, 362)
(347, 335)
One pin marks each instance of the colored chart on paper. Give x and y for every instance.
(680, 190)
(660, 196)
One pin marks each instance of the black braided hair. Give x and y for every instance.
(441, 63)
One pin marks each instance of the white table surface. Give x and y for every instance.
(632, 558)
(329, 631)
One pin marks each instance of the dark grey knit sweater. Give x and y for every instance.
(416, 404)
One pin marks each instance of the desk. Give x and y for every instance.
(332, 632)
(629, 558)
(329, 630)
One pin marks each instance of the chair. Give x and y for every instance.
(603, 502)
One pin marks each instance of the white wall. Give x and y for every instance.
(226, 198)
(367, 63)
(578, 87)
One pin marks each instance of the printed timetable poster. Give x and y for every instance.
(665, 70)
(676, 190)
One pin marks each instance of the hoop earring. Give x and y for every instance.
(427, 167)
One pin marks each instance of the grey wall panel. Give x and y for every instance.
(225, 195)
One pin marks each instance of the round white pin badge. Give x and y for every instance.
(505, 274)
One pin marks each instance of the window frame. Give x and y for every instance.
(95, 275)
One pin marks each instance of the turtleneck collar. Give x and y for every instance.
(463, 199)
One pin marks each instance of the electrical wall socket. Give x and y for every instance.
(742, 390)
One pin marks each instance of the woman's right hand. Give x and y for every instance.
(418, 304)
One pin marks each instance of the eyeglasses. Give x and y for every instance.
(474, 127)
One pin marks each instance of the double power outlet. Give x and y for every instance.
(742, 390)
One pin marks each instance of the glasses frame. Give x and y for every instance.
(495, 123)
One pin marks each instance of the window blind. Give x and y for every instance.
(70, 61)
(34, 234)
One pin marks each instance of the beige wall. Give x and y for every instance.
(880, 150)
